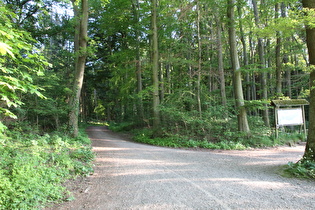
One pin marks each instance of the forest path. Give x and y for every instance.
(129, 175)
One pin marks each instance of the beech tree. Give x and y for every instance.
(155, 65)
(165, 63)
(80, 47)
(262, 64)
(310, 39)
(237, 76)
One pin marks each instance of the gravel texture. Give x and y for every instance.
(129, 175)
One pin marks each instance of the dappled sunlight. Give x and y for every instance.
(139, 172)
(216, 178)
(127, 162)
(241, 183)
(102, 149)
(264, 184)
(266, 162)
(97, 129)
(93, 139)
(176, 172)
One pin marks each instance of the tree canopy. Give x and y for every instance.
(180, 73)
(187, 68)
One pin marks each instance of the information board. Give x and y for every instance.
(290, 116)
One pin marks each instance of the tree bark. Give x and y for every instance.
(136, 9)
(80, 43)
(220, 61)
(238, 90)
(199, 61)
(286, 57)
(262, 65)
(309, 153)
(155, 67)
(278, 58)
(245, 56)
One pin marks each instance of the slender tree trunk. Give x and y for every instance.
(278, 58)
(136, 9)
(262, 65)
(269, 64)
(220, 61)
(286, 56)
(310, 39)
(238, 90)
(81, 16)
(168, 76)
(245, 56)
(199, 61)
(253, 77)
(162, 82)
(155, 67)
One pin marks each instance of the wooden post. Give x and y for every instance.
(304, 121)
(276, 121)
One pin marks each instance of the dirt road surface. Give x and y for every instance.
(129, 175)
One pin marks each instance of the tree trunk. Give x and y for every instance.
(136, 9)
(80, 43)
(310, 40)
(199, 61)
(286, 57)
(155, 67)
(278, 58)
(220, 61)
(262, 65)
(162, 82)
(238, 90)
(245, 56)
(253, 75)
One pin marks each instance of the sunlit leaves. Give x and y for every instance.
(19, 63)
(4, 49)
(309, 17)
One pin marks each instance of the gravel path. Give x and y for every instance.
(136, 176)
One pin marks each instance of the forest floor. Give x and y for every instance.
(129, 175)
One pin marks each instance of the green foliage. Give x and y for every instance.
(217, 123)
(33, 167)
(145, 136)
(256, 105)
(289, 138)
(124, 126)
(260, 137)
(52, 112)
(302, 169)
(19, 63)
(213, 130)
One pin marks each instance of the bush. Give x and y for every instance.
(301, 169)
(216, 128)
(124, 126)
(176, 141)
(33, 167)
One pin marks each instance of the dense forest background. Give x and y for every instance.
(180, 73)
(199, 69)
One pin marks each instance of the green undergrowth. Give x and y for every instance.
(123, 126)
(34, 167)
(145, 136)
(304, 169)
(259, 137)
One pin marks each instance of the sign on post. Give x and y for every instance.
(287, 117)
(293, 114)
